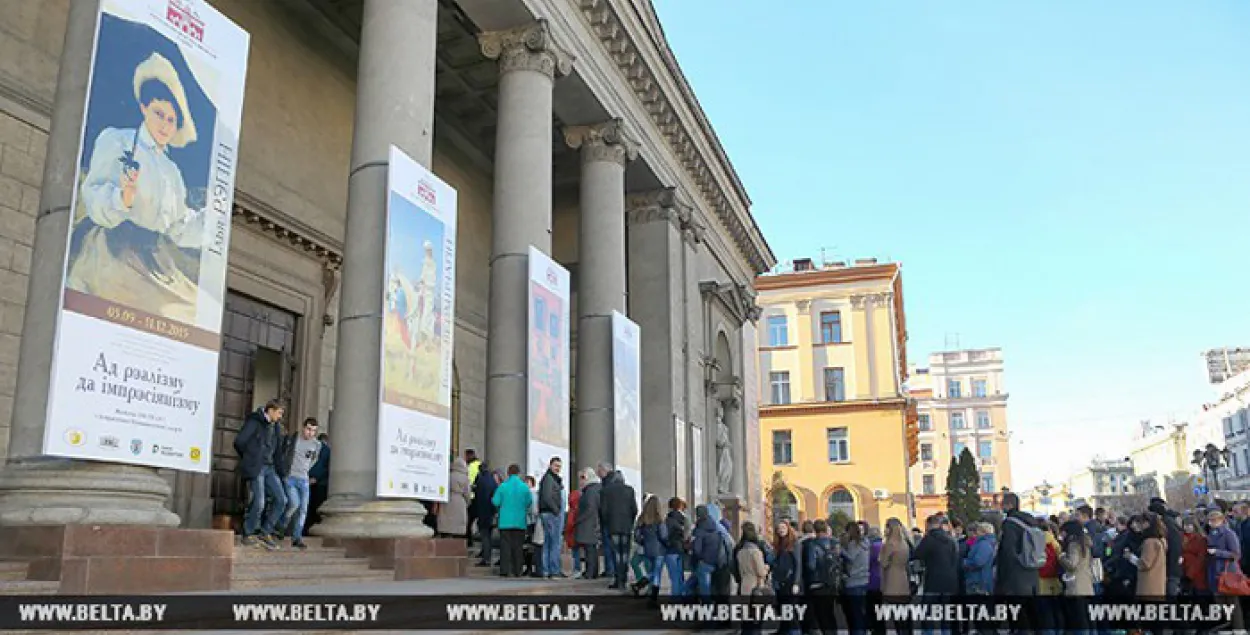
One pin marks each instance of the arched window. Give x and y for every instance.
(840, 500)
(785, 506)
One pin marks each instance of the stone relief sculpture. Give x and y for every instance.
(724, 452)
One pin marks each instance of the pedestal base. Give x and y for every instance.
(356, 517)
(120, 559)
(731, 509)
(65, 491)
(411, 558)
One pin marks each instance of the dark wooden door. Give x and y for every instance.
(251, 329)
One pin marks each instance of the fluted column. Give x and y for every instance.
(529, 62)
(605, 150)
(38, 490)
(394, 106)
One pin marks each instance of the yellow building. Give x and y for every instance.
(837, 432)
(961, 400)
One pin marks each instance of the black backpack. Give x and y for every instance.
(828, 568)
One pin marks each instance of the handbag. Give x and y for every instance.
(763, 592)
(1233, 582)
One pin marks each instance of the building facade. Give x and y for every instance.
(1161, 460)
(1231, 409)
(1046, 499)
(1106, 483)
(563, 125)
(834, 422)
(1223, 363)
(961, 401)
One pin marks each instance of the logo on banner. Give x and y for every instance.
(75, 437)
(184, 18)
(552, 279)
(427, 193)
(110, 442)
(195, 454)
(136, 446)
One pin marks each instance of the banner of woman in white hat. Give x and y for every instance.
(135, 368)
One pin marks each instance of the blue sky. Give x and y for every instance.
(1067, 180)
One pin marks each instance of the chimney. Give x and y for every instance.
(864, 262)
(803, 264)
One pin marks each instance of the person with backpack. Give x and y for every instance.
(674, 537)
(822, 577)
(706, 548)
(1021, 552)
(723, 577)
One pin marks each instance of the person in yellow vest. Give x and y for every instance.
(475, 464)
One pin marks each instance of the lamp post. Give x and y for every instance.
(1211, 459)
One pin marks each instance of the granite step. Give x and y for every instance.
(13, 571)
(248, 555)
(29, 587)
(297, 578)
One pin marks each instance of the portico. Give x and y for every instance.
(563, 125)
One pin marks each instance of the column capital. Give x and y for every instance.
(527, 48)
(606, 141)
(803, 305)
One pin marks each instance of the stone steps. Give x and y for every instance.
(295, 578)
(13, 571)
(29, 587)
(257, 568)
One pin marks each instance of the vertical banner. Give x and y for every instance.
(134, 370)
(683, 474)
(700, 468)
(548, 368)
(414, 417)
(626, 380)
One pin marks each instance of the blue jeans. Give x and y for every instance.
(296, 503)
(576, 552)
(553, 537)
(856, 613)
(672, 561)
(609, 557)
(701, 581)
(266, 481)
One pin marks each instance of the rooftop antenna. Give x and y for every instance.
(824, 260)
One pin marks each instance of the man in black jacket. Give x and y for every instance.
(1174, 543)
(551, 515)
(1010, 577)
(617, 510)
(259, 445)
(483, 492)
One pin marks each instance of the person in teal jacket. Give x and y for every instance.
(513, 499)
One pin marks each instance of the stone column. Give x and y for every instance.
(38, 490)
(394, 106)
(605, 151)
(529, 62)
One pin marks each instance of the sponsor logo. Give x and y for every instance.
(155, 448)
(551, 277)
(136, 446)
(182, 15)
(167, 451)
(427, 193)
(110, 442)
(195, 455)
(403, 487)
(75, 437)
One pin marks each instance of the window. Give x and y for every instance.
(929, 487)
(1236, 470)
(1113, 485)
(952, 388)
(782, 451)
(839, 445)
(960, 446)
(778, 334)
(978, 388)
(985, 449)
(831, 327)
(1228, 426)
(957, 421)
(1246, 456)
(780, 382)
(835, 384)
(842, 501)
(983, 420)
(987, 483)
(925, 423)
(926, 451)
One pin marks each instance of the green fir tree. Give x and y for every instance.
(963, 489)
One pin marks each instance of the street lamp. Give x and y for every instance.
(1211, 459)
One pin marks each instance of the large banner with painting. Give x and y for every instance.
(548, 368)
(626, 381)
(414, 422)
(134, 373)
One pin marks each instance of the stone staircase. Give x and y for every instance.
(256, 567)
(13, 581)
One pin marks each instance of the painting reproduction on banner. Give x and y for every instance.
(414, 426)
(626, 379)
(139, 328)
(549, 287)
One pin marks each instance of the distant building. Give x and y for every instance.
(1223, 363)
(961, 402)
(836, 429)
(1160, 458)
(1106, 483)
(1232, 410)
(1046, 499)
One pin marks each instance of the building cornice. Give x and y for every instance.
(821, 277)
(672, 107)
(273, 223)
(832, 407)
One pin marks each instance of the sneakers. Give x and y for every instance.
(577, 575)
(267, 542)
(248, 541)
(299, 544)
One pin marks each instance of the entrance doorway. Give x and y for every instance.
(257, 364)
